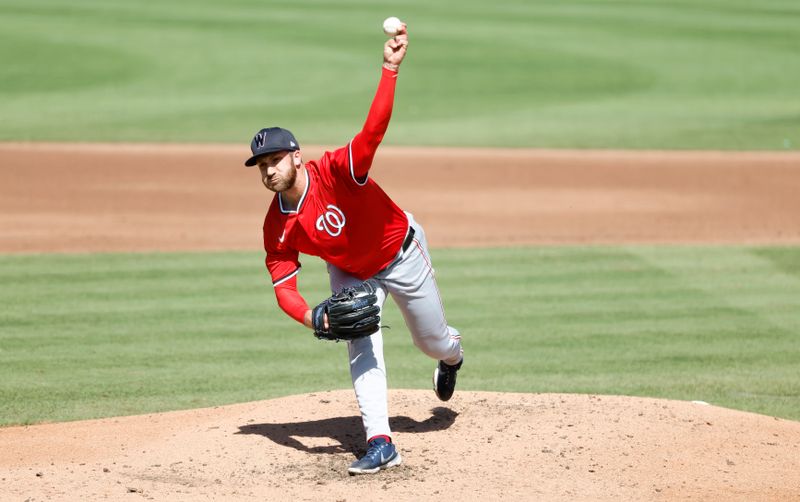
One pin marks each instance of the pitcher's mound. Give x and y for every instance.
(480, 445)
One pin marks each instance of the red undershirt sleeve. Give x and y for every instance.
(290, 300)
(365, 143)
(284, 272)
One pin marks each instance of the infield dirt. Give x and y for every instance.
(489, 446)
(88, 198)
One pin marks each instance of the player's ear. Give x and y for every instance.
(297, 158)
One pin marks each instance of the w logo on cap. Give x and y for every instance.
(260, 139)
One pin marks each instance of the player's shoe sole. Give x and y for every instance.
(444, 379)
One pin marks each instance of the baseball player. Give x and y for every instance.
(331, 208)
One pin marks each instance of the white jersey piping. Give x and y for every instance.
(286, 278)
(352, 171)
(302, 198)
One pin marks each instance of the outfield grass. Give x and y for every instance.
(697, 74)
(99, 335)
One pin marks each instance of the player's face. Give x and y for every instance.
(278, 172)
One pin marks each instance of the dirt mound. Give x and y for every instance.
(479, 445)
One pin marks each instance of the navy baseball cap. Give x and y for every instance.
(271, 139)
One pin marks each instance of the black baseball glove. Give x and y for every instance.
(352, 313)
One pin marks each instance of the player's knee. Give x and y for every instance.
(439, 346)
(432, 352)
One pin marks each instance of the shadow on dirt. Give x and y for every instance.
(347, 431)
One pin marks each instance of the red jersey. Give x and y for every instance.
(343, 217)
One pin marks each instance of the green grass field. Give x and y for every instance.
(688, 74)
(99, 335)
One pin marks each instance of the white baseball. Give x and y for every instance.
(391, 25)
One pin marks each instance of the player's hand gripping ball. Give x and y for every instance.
(353, 313)
(391, 26)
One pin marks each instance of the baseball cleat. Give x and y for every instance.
(381, 454)
(444, 379)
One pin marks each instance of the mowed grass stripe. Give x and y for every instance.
(697, 318)
(533, 73)
(98, 335)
